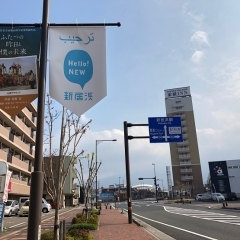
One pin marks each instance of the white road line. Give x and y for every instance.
(181, 229)
(217, 217)
(16, 225)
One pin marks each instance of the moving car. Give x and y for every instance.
(11, 208)
(218, 197)
(232, 196)
(24, 210)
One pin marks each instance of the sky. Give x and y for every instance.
(161, 44)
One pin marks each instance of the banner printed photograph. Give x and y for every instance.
(18, 74)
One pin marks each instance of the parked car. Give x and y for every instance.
(11, 208)
(205, 197)
(22, 200)
(232, 196)
(218, 197)
(199, 197)
(24, 210)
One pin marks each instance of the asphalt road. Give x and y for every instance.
(189, 221)
(16, 221)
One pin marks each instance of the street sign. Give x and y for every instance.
(165, 129)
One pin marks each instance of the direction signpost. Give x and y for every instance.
(165, 129)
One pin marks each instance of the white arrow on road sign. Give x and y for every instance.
(165, 133)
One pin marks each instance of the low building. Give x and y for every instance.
(17, 144)
(70, 194)
(225, 176)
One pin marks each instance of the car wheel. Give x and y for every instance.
(10, 213)
(44, 210)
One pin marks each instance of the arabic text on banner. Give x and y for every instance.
(77, 67)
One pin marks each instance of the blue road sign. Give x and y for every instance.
(165, 129)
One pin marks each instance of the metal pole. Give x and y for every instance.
(129, 198)
(119, 189)
(36, 188)
(155, 181)
(57, 200)
(96, 172)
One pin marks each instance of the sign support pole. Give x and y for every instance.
(36, 188)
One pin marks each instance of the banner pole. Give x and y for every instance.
(36, 188)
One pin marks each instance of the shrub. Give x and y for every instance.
(93, 220)
(78, 232)
(47, 236)
(95, 211)
(69, 238)
(81, 217)
(87, 226)
(76, 220)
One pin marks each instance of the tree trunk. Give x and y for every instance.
(56, 219)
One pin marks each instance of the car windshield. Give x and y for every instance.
(26, 203)
(8, 203)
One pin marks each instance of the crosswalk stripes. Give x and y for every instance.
(218, 217)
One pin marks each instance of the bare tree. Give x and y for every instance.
(55, 166)
(90, 173)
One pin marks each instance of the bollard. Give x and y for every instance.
(110, 206)
(106, 206)
(64, 230)
(223, 205)
(226, 204)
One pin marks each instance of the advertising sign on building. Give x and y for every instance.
(177, 92)
(219, 176)
(77, 67)
(19, 51)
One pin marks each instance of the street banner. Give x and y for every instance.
(19, 52)
(6, 189)
(77, 66)
(3, 172)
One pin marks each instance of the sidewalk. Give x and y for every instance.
(114, 225)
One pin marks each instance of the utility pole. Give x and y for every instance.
(155, 181)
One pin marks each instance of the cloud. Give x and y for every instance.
(197, 57)
(200, 38)
(196, 19)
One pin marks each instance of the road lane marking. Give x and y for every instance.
(171, 226)
(16, 225)
(217, 217)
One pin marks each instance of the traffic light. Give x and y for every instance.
(155, 181)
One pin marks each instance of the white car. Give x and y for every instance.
(11, 208)
(24, 210)
(199, 197)
(218, 197)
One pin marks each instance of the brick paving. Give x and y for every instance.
(114, 225)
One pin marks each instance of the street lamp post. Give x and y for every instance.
(155, 181)
(119, 189)
(98, 142)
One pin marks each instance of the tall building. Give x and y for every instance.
(17, 143)
(186, 166)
